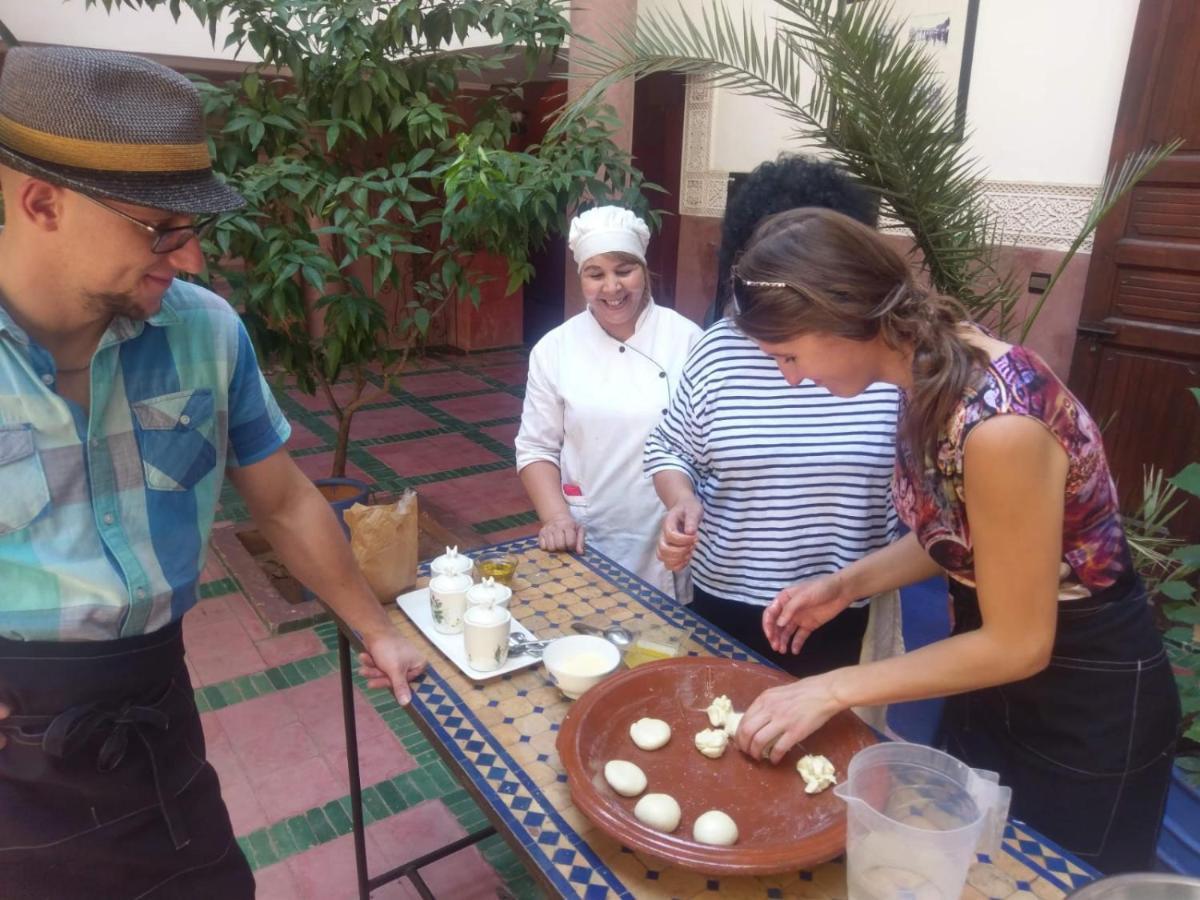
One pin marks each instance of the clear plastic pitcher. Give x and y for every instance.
(915, 819)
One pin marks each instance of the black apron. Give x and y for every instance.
(1087, 744)
(104, 787)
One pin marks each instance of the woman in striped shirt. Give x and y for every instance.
(765, 483)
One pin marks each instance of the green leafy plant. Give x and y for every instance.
(1169, 567)
(372, 172)
(875, 106)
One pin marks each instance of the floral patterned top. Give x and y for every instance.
(931, 503)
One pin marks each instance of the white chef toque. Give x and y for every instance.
(607, 229)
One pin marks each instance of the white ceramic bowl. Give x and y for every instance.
(562, 652)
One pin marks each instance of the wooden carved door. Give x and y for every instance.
(1138, 349)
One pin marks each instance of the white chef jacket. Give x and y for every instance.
(590, 403)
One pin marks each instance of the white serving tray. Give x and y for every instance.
(415, 605)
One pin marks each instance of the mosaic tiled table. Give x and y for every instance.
(499, 737)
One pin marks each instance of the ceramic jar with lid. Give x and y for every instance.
(451, 563)
(488, 592)
(486, 630)
(448, 601)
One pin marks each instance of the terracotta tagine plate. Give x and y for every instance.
(780, 827)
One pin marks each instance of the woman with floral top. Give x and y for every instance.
(1055, 674)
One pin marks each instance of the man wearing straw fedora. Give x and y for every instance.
(126, 395)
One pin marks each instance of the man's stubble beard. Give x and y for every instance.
(110, 304)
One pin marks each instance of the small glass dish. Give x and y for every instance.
(496, 564)
(660, 640)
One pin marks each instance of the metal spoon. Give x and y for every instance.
(614, 633)
(518, 645)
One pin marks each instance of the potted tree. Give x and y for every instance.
(369, 167)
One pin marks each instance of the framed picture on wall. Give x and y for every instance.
(945, 29)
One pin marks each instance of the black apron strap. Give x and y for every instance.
(71, 731)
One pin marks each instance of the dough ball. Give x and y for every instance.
(650, 734)
(716, 828)
(624, 777)
(732, 721)
(718, 710)
(712, 742)
(659, 811)
(817, 772)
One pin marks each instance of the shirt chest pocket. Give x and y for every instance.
(175, 438)
(22, 479)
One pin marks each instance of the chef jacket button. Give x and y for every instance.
(622, 348)
(662, 374)
(664, 412)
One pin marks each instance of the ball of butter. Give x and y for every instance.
(712, 742)
(817, 772)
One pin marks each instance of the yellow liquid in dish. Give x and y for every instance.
(502, 570)
(642, 651)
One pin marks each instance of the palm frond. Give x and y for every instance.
(1146, 531)
(874, 103)
(1119, 182)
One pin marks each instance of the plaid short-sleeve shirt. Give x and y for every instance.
(105, 514)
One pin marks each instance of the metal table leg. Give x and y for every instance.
(356, 807)
(411, 869)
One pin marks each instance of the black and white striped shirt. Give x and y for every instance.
(794, 481)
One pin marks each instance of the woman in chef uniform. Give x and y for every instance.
(597, 385)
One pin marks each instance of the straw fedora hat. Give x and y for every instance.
(109, 125)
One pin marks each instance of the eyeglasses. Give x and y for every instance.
(166, 239)
(739, 290)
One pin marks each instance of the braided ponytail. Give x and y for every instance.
(943, 365)
(816, 271)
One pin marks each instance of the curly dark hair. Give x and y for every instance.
(790, 182)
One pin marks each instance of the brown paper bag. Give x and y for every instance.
(384, 541)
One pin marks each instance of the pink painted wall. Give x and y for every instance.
(696, 273)
(1053, 334)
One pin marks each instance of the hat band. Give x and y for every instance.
(102, 156)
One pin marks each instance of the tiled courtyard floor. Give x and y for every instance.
(271, 705)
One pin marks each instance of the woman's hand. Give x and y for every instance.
(680, 530)
(781, 717)
(800, 609)
(562, 532)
